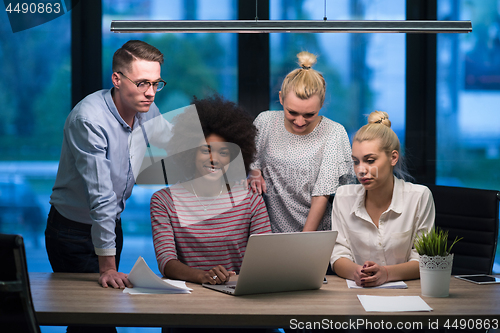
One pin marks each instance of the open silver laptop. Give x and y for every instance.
(282, 262)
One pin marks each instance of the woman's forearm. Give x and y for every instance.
(405, 271)
(345, 268)
(176, 270)
(318, 207)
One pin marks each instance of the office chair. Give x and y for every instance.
(17, 313)
(471, 214)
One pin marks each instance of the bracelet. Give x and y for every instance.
(386, 272)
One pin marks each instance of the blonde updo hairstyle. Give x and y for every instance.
(379, 127)
(304, 81)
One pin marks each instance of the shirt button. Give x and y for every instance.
(380, 244)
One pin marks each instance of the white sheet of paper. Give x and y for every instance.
(393, 303)
(387, 285)
(143, 291)
(145, 281)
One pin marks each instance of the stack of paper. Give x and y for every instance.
(145, 281)
(387, 285)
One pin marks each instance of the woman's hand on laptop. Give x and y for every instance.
(217, 275)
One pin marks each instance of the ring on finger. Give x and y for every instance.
(214, 277)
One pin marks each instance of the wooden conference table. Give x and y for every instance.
(77, 299)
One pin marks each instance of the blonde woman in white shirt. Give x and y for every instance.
(378, 219)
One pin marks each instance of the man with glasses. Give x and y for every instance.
(95, 174)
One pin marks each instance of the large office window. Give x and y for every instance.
(35, 94)
(468, 98)
(363, 72)
(35, 67)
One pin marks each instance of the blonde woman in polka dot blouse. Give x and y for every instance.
(302, 158)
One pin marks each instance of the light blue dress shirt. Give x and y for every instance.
(95, 175)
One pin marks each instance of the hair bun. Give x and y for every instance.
(379, 117)
(306, 59)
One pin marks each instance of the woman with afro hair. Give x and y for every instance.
(201, 224)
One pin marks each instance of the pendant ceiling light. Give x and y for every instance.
(292, 26)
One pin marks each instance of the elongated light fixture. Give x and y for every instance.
(292, 26)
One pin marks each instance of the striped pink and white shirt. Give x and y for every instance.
(203, 232)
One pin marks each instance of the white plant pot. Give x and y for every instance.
(435, 275)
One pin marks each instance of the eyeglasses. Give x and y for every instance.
(143, 86)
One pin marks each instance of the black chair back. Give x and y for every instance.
(471, 214)
(17, 313)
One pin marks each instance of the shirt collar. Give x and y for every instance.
(397, 202)
(359, 204)
(396, 205)
(114, 111)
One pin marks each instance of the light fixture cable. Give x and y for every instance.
(324, 17)
(256, 16)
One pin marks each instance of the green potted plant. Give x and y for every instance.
(435, 263)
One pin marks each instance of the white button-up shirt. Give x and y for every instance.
(411, 212)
